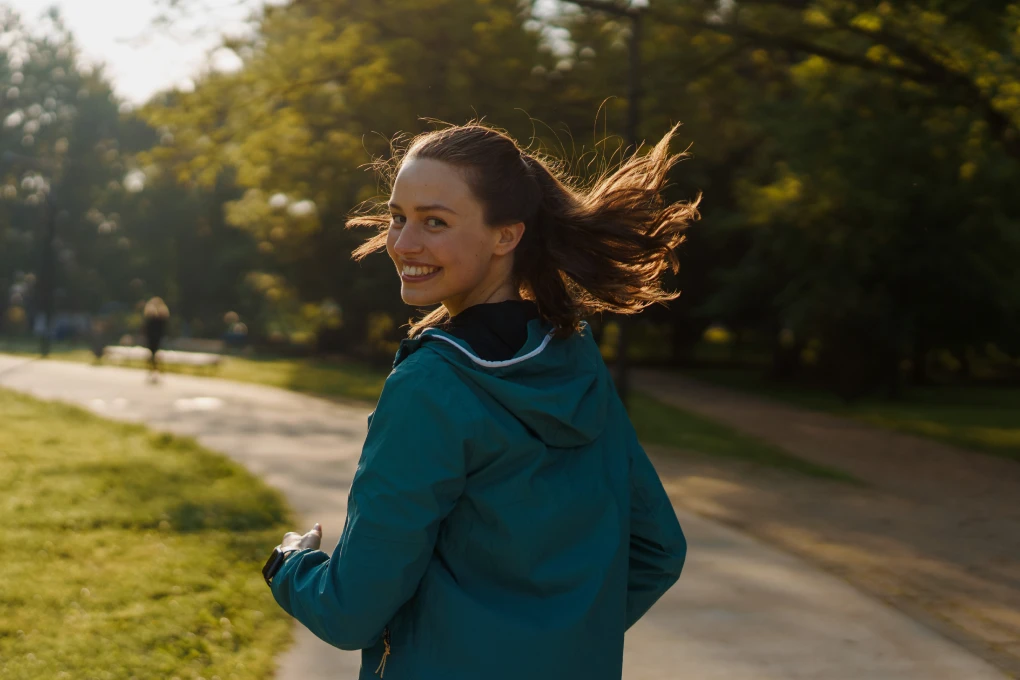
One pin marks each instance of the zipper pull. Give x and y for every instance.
(381, 670)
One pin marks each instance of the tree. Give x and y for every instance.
(857, 158)
(878, 203)
(324, 88)
(61, 161)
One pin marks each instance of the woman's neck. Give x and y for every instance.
(503, 292)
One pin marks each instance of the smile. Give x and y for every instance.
(418, 274)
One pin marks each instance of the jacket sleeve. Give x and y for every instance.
(410, 475)
(657, 544)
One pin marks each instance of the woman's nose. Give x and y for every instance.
(408, 241)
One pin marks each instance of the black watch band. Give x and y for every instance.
(276, 561)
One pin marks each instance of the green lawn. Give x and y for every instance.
(329, 378)
(333, 378)
(655, 422)
(659, 423)
(344, 379)
(129, 554)
(981, 418)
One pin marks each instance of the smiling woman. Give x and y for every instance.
(446, 251)
(504, 521)
(474, 218)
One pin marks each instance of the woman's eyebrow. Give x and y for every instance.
(426, 208)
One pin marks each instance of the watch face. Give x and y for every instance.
(272, 565)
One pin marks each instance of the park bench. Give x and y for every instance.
(206, 345)
(136, 354)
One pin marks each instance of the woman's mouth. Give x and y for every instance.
(418, 273)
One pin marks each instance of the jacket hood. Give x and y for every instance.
(556, 387)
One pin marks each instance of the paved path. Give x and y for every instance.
(741, 610)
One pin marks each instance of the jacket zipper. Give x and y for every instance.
(381, 670)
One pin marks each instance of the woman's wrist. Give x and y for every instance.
(292, 542)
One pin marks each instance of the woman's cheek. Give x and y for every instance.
(391, 240)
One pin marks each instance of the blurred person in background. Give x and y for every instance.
(98, 329)
(154, 328)
(504, 522)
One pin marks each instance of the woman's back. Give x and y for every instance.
(503, 521)
(536, 469)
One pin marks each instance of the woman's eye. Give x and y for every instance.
(434, 222)
(398, 220)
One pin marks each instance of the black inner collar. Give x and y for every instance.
(495, 331)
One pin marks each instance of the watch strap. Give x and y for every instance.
(275, 562)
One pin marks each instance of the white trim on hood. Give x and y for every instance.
(492, 364)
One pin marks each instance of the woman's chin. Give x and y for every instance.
(418, 298)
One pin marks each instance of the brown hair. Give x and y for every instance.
(585, 249)
(155, 308)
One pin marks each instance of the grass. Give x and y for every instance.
(130, 554)
(10, 345)
(343, 379)
(340, 379)
(659, 423)
(655, 422)
(981, 418)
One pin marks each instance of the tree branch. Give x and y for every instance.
(718, 60)
(949, 85)
(795, 44)
(939, 73)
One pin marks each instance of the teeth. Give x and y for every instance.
(418, 271)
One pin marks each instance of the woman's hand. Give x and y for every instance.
(309, 541)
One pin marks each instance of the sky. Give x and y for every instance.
(141, 61)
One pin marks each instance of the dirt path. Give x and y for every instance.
(936, 530)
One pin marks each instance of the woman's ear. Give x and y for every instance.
(509, 236)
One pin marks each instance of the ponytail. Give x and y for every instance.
(584, 250)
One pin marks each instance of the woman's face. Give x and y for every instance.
(438, 239)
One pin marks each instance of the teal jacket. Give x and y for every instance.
(503, 523)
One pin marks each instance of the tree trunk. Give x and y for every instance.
(786, 361)
(966, 367)
(919, 364)
(683, 343)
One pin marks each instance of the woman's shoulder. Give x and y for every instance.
(425, 388)
(424, 371)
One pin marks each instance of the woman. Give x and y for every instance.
(155, 317)
(503, 522)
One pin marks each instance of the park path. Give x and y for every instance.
(935, 531)
(742, 610)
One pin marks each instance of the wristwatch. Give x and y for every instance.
(275, 561)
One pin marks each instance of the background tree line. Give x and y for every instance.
(859, 162)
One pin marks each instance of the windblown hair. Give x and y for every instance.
(585, 249)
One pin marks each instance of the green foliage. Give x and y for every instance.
(137, 554)
(124, 231)
(858, 160)
(323, 90)
(60, 154)
(861, 159)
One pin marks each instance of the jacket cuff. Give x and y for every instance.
(279, 586)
